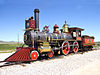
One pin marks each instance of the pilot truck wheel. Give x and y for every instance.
(50, 54)
(34, 55)
(65, 47)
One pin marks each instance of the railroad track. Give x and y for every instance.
(5, 64)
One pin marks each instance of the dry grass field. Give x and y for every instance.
(8, 47)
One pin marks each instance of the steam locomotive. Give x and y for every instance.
(63, 41)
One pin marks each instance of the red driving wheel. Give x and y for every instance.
(34, 55)
(50, 54)
(65, 47)
(75, 47)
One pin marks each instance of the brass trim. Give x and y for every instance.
(44, 50)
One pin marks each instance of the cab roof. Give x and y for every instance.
(76, 28)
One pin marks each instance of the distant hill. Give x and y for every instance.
(1, 41)
(9, 42)
(97, 42)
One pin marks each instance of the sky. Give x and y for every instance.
(78, 13)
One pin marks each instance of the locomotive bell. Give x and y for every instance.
(65, 28)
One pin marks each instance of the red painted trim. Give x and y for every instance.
(22, 54)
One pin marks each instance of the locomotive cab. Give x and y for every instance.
(76, 33)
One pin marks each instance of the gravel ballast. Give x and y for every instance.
(63, 65)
